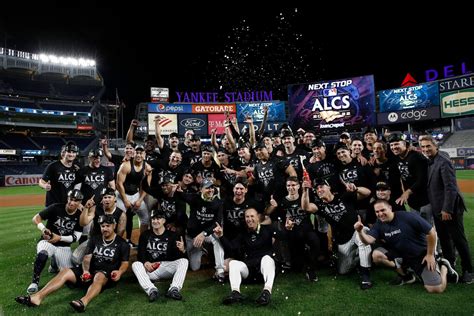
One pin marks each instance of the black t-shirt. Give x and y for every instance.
(293, 210)
(203, 215)
(341, 214)
(99, 211)
(326, 169)
(414, 174)
(60, 222)
(212, 171)
(93, 181)
(271, 176)
(406, 234)
(156, 248)
(294, 159)
(234, 216)
(62, 180)
(107, 255)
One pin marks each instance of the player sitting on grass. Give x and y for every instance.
(104, 263)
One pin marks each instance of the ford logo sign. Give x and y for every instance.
(192, 123)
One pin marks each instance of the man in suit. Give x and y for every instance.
(447, 205)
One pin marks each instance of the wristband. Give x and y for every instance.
(41, 227)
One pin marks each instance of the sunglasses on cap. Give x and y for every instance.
(107, 219)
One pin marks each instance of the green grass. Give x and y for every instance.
(21, 190)
(291, 294)
(465, 174)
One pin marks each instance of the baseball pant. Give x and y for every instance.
(238, 270)
(142, 211)
(348, 254)
(79, 253)
(168, 269)
(63, 255)
(195, 254)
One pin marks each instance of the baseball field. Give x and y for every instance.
(292, 294)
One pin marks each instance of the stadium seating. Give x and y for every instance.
(460, 139)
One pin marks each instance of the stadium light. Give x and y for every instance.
(66, 61)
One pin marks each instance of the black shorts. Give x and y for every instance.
(80, 284)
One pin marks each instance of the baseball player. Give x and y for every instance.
(256, 244)
(160, 257)
(59, 176)
(105, 262)
(61, 230)
(90, 216)
(206, 210)
(130, 196)
(341, 214)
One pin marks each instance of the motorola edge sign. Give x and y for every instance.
(413, 115)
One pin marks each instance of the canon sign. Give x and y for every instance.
(16, 180)
(413, 115)
(192, 123)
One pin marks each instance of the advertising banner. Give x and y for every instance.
(465, 152)
(276, 111)
(457, 102)
(335, 104)
(170, 108)
(213, 108)
(24, 179)
(408, 116)
(216, 121)
(159, 94)
(414, 97)
(169, 123)
(195, 122)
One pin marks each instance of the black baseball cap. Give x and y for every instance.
(174, 134)
(320, 181)
(70, 146)
(317, 142)
(96, 152)
(207, 183)
(156, 213)
(107, 191)
(75, 194)
(286, 133)
(260, 144)
(242, 144)
(149, 138)
(382, 186)
(396, 137)
(195, 137)
(167, 179)
(107, 219)
(370, 129)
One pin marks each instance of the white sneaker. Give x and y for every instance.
(33, 288)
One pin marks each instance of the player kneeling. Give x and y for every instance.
(160, 257)
(105, 261)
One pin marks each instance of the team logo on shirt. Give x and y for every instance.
(67, 178)
(349, 175)
(64, 225)
(104, 253)
(157, 247)
(169, 207)
(94, 180)
(335, 211)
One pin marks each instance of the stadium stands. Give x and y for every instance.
(460, 139)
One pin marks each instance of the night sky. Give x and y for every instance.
(241, 49)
